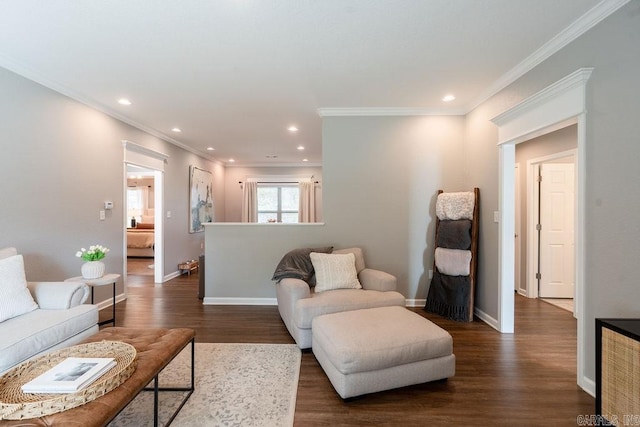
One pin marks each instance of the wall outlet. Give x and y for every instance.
(168, 214)
(102, 215)
(496, 216)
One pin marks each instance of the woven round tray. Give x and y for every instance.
(16, 405)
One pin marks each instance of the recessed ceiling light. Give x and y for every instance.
(210, 149)
(305, 160)
(448, 98)
(124, 101)
(300, 147)
(292, 129)
(231, 160)
(178, 130)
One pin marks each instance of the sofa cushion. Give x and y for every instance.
(27, 335)
(357, 252)
(379, 338)
(15, 298)
(335, 271)
(338, 300)
(7, 252)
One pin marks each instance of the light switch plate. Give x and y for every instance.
(496, 216)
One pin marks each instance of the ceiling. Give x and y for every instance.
(233, 75)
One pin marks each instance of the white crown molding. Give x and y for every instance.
(580, 26)
(577, 79)
(130, 145)
(388, 111)
(33, 75)
(273, 165)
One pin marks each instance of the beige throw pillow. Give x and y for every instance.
(335, 271)
(15, 298)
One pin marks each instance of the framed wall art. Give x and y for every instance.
(200, 198)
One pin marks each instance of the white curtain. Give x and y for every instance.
(307, 205)
(250, 201)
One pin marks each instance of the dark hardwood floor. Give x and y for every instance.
(524, 379)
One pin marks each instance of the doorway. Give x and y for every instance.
(548, 240)
(559, 105)
(140, 224)
(546, 198)
(137, 157)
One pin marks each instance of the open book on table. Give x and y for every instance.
(71, 375)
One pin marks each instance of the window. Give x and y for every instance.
(278, 203)
(135, 202)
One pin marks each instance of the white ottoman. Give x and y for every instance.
(365, 351)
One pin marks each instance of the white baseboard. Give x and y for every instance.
(588, 385)
(171, 276)
(273, 301)
(239, 301)
(109, 301)
(415, 302)
(486, 318)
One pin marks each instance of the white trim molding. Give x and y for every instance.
(486, 318)
(560, 104)
(577, 28)
(38, 77)
(388, 112)
(567, 98)
(239, 301)
(415, 302)
(132, 146)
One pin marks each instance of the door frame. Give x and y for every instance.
(144, 157)
(557, 106)
(533, 201)
(522, 290)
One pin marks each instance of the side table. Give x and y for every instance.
(188, 266)
(107, 279)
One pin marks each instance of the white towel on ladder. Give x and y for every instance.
(453, 262)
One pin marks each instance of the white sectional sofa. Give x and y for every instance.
(57, 319)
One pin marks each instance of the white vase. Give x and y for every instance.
(92, 269)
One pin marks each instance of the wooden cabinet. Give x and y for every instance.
(618, 371)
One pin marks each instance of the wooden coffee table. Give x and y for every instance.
(156, 348)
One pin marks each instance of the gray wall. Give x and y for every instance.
(380, 178)
(243, 257)
(612, 156)
(60, 161)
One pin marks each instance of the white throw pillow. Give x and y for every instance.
(335, 271)
(15, 298)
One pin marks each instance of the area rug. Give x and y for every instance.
(236, 385)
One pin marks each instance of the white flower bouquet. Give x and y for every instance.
(95, 253)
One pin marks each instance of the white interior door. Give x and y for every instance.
(557, 264)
